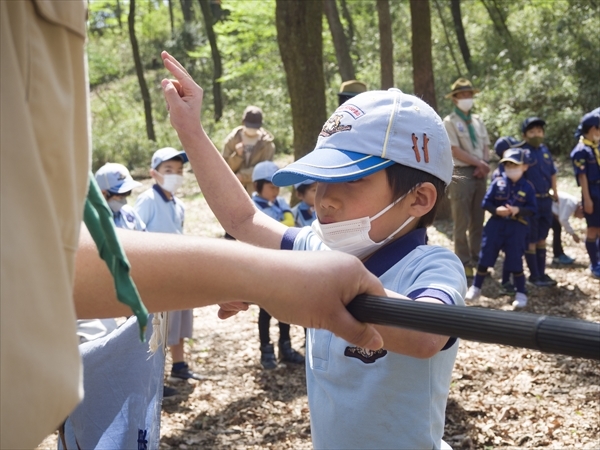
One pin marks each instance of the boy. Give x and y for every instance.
(567, 206)
(511, 201)
(586, 162)
(266, 199)
(304, 211)
(164, 213)
(381, 162)
(542, 174)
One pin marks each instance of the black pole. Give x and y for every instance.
(547, 334)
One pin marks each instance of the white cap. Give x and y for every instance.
(165, 154)
(115, 178)
(264, 171)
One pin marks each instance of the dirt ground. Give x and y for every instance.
(501, 397)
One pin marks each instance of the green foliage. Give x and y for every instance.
(547, 66)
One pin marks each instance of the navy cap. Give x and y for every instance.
(591, 119)
(370, 132)
(515, 155)
(531, 122)
(503, 144)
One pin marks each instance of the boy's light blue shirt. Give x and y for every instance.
(160, 214)
(362, 399)
(304, 216)
(128, 219)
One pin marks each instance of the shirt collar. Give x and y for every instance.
(162, 194)
(384, 258)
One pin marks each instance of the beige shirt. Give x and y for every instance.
(44, 174)
(458, 132)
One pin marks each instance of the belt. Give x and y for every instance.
(546, 195)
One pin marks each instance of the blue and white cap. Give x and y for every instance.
(514, 155)
(165, 154)
(264, 171)
(370, 132)
(115, 178)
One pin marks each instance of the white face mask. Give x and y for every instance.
(464, 104)
(171, 182)
(116, 204)
(514, 173)
(352, 236)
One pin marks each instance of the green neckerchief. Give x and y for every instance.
(593, 145)
(98, 219)
(467, 119)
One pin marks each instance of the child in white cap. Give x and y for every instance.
(382, 162)
(163, 212)
(266, 198)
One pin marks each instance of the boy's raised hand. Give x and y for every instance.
(183, 96)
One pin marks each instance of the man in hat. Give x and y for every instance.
(470, 150)
(247, 145)
(349, 89)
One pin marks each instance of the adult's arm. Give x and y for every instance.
(222, 190)
(175, 272)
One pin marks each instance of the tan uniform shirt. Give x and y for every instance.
(458, 132)
(44, 175)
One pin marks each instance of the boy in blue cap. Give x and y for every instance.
(541, 173)
(382, 161)
(304, 211)
(586, 162)
(266, 198)
(163, 212)
(511, 201)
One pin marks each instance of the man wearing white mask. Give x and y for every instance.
(470, 150)
(247, 145)
(163, 212)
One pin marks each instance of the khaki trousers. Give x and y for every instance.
(44, 163)
(466, 195)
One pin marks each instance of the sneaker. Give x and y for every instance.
(185, 373)
(508, 288)
(169, 391)
(539, 281)
(595, 271)
(473, 294)
(469, 272)
(267, 357)
(520, 301)
(288, 354)
(563, 259)
(547, 279)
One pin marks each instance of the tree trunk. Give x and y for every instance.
(299, 35)
(446, 34)
(424, 86)
(171, 18)
(118, 14)
(139, 70)
(342, 49)
(216, 57)
(348, 17)
(386, 44)
(187, 10)
(460, 33)
(499, 21)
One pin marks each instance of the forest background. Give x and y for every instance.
(528, 57)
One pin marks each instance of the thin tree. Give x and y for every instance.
(340, 42)
(216, 57)
(460, 33)
(299, 35)
(423, 81)
(139, 70)
(348, 18)
(386, 44)
(446, 34)
(171, 20)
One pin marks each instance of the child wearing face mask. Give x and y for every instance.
(247, 145)
(586, 162)
(382, 162)
(511, 201)
(541, 173)
(266, 198)
(163, 212)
